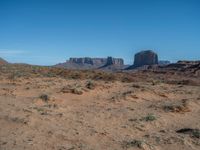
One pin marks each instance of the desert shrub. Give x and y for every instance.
(136, 86)
(90, 85)
(104, 76)
(182, 82)
(127, 79)
(149, 117)
(196, 133)
(44, 97)
(177, 107)
(50, 75)
(66, 89)
(75, 89)
(76, 75)
(132, 143)
(17, 119)
(16, 74)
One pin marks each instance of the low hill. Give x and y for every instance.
(2, 61)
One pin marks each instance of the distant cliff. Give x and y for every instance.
(88, 60)
(91, 63)
(164, 62)
(114, 61)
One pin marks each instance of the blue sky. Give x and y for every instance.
(47, 32)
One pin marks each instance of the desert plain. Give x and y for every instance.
(45, 108)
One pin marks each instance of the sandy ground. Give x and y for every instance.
(109, 116)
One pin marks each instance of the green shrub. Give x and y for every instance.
(149, 117)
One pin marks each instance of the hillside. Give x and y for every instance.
(2, 61)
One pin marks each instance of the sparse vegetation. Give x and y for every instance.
(77, 99)
(149, 117)
(17, 119)
(136, 86)
(196, 133)
(106, 105)
(75, 89)
(50, 75)
(90, 85)
(182, 82)
(193, 132)
(132, 143)
(177, 107)
(44, 97)
(41, 110)
(14, 75)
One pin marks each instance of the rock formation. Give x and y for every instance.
(163, 62)
(97, 61)
(88, 60)
(187, 68)
(91, 63)
(146, 57)
(113, 64)
(114, 61)
(2, 61)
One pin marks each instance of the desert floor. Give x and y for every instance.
(52, 113)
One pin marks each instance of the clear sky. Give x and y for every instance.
(47, 32)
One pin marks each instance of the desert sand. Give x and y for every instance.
(43, 111)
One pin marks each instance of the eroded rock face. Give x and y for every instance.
(146, 57)
(97, 61)
(114, 61)
(91, 63)
(163, 62)
(88, 60)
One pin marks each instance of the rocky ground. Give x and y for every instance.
(52, 109)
